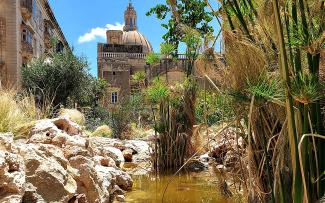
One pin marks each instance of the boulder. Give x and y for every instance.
(141, 150)
(78, 198)
(120, 198)
(66, 125)
(104, 161)
(12, 177)
(90, 182)
(6, 141)
(47, 129)
(46, 168)
(102, 147)
(123, 180)
(71, 151)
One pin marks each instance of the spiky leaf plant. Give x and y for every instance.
(306, 89)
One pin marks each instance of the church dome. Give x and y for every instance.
(136, 38)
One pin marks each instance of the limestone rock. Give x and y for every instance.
(142, 150)
(6, 141)
(66, 125)
(123, 180)
(120, 198)
(89, 180)
(104, 161)
(105, 147)
(12, 177)
(46, 168)
(79, 198)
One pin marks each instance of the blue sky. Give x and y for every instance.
(84, 23)
(79, 17)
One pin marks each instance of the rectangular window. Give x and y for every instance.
(35, 10)
(27, 36)
(114, 97)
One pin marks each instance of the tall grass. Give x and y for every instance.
(16, 110)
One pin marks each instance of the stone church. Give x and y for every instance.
(124, 54)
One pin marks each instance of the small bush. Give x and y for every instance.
(103, 131)
(96, 117)
(74, 115)
(218, 108)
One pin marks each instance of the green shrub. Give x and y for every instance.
(57, 76)
(218, 108)
(102, 131)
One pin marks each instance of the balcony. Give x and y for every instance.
(47, 39)
(48, 34)
(26, 9)
(27, 50)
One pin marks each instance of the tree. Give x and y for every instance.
(56, 76)
(192, 13)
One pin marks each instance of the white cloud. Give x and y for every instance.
(99, 32)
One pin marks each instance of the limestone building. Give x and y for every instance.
(28, 29)
(123, 55)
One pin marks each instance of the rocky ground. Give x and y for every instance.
(58, 162)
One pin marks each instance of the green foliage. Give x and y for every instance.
(139, 76)
(167, 48)
(213, 107)
(157, 91)
(120, 119)
(193, 13)
(192, 39)
(91, 91)
(306, 89)
(266, 88)
(97, 116)
(58, 75)
(152, 58)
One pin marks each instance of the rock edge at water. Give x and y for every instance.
(60, 163)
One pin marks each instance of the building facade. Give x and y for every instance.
(123, 55)
(28, 29)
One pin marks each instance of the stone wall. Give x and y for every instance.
(11, 49)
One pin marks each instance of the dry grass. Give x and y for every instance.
(15, 111)
(246, 62)
(102, 131)
(74, 115)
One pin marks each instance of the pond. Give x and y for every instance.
(185, 188)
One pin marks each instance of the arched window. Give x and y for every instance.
(131, 22)
(27, 36)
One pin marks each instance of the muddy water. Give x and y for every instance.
(186, 188)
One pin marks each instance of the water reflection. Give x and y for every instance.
(185, 188)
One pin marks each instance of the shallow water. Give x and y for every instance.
(186, 188)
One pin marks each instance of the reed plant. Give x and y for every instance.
(282, 39)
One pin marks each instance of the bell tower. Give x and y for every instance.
(130, 18)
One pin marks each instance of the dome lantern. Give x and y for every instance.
(130, 18)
